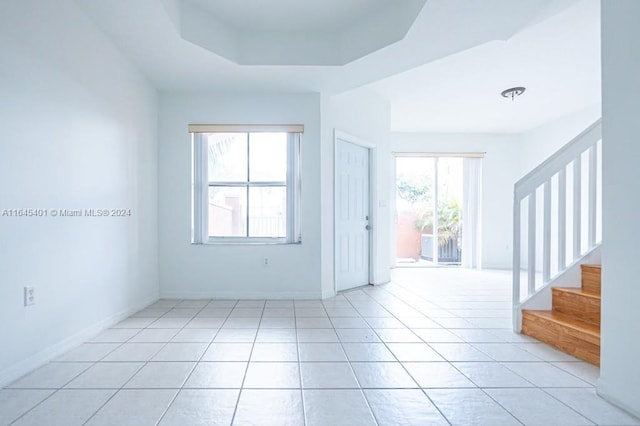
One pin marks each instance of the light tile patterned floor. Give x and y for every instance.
(433, 348)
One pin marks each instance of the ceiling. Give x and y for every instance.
(441, 63)
(557, 60)
(293, 15)
(290, 32)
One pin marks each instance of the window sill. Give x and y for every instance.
(246, 243)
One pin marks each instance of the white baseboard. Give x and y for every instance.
(18, 370)
(327, 294)
(231, 294)
(602, 391)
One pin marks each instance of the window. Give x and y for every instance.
(246, 184)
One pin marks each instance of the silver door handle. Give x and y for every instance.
(367, 227)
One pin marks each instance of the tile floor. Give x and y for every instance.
(433, 348)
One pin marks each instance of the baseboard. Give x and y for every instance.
(18, 370)
(327, 294)
(601, 390)
(230, 294)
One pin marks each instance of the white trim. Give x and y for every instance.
(245, 128)
(199, 190)
(602, 390)
(14, 372)
(294, 186)
(373, 200)
(247, 240)
(239, 294)
(440, 154)
(339, 134)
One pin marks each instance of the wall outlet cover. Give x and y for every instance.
(29, 296)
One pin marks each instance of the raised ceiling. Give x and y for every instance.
(290, 32)
(158, 36)
(291, 15)
(444, 72)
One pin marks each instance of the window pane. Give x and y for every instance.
(227, 212)
(268, 157)
(227, 154)
(268, 211)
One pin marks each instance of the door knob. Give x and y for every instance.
(367, 227)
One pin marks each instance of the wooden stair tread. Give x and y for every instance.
(577, 303)
(573, 323)
(565, 332)
(577, 291)
(568, 321)
(591, 265)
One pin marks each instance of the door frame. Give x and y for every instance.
(339, 135)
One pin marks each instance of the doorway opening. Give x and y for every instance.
(437, 210)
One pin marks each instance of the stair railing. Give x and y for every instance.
(557, 211)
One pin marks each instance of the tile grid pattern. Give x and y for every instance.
(420, 370)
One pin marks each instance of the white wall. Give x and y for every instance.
(238, 271)
(365, 116)
(500, 170)
(620, 369)
(77, 131)
(540, 143)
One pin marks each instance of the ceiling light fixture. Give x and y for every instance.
(513, 92)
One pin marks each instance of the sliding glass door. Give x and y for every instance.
(433, 194)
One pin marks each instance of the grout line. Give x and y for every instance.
(365, 301)
(244, 377)
(195, 364)
(295, 323)
(137, 371)
(404, 367)
(468, 378)
(362, 392)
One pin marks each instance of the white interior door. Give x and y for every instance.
(352, 215)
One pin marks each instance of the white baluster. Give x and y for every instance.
(562, 218)
(593, 176)
(577, 203)
(546, 235)
(532, 244)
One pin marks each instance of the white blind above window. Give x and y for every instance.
(245, 128)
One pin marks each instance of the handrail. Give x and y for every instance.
(540, 227)
(561, 158)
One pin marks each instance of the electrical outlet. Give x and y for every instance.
(29, 296)
(266, 261)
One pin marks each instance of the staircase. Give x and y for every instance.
(557, 234)
(573, 323)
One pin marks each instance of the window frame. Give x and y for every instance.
(201, 184)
